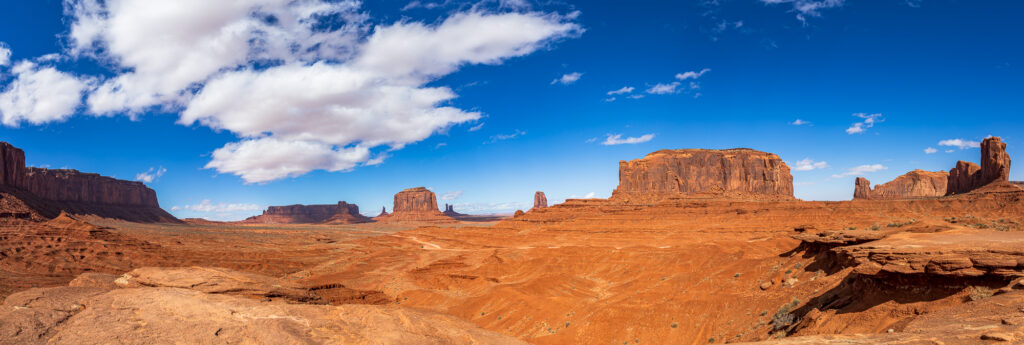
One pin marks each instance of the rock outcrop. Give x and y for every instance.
(449, 210)
(540, 200)
(963, 178)
(415, 205)
(914, 184)
(56, 190)
(733, 173)
(995, 166)
(340, 213)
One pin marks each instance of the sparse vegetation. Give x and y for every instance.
(852, 228)
(674, 325)
(783, 318)
(901, 224)
(875, 227)
(980, 293)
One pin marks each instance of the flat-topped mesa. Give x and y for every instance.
(72, 185)
(415, 200)
(415, 205)
(732, 173)
(995, 166)
(912, 185)
(56, 190)
(340, 213)
(540, 200)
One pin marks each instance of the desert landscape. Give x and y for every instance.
(694, 246)
(548, 172)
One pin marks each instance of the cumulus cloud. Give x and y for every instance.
(623, 90)
(867, 168)
(617, 139)
(809, 164)
(807, 8)
(799, 122)
(692, 74)
(5, 54)
(150, 175)
(40, 94)
(311, 82)
(930, 150)
(567, 79)
(868, 122)
(960, 143)
(219, 211)
(451, 195)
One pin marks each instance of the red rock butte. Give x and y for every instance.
(417, 204)
(540, 200)
(340, 213)
(50, 191)
(963, 178)
(733, 173)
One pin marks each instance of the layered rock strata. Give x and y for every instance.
(340, 213)
(736, 173)
(995, 166)
(417, 204)
(914, 184)
(540, 200)
(55, 190)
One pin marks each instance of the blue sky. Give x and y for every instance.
(267, 102)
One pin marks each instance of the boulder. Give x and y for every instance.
(540, 200)
(914, 184)
(736, 173)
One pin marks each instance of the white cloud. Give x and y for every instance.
(5, 54)
(949, 151)
(150, 175)
(960, 143)
(451, 195)
(40, 94)
(868, 122)
(623, 90)
(692, 74)
(800, 122)
(219, 211)
(867, 168)
(807, 8)
(638, 96)
(567, 79)
(476, 128)
(267, 159)
(662, 88)
(321, 99)
(590, 195)
(930, 150)
(809, 164)
(500, 137)
(490, 208)
(616, 139)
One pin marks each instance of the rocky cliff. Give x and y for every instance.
(449, 210)
(540, 200)
(415, 205)
(340, 213)
(995, 166)
(53, 190)
(914, 184)
(739, 173)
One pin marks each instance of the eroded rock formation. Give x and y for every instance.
(914, 184)
(995, 166)
(449, 210)
(340, 213)
(741, 173)
(77, 192)
(540, 200)
(415, 205)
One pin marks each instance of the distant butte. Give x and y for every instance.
(733, 173)
(540, 200)
(963, 178)
(340, 213)
(417, 204)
